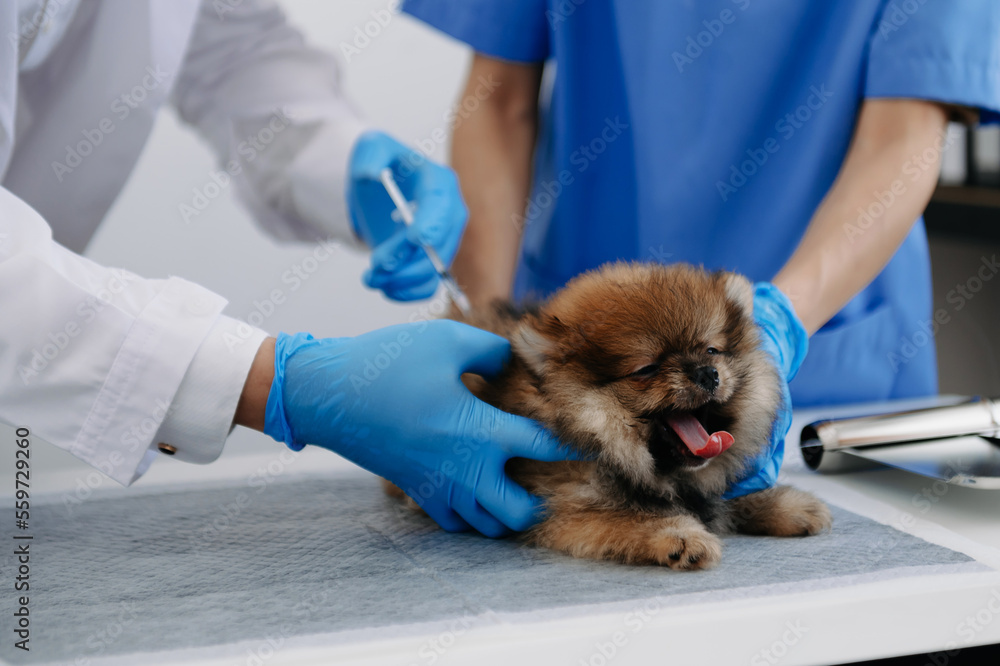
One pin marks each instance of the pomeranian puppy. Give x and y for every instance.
(655, 373)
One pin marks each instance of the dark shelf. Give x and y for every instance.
(964, 213)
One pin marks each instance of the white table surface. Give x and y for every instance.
(834, 626)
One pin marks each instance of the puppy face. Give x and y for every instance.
(635, 360)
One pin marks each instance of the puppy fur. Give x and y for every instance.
(602, 364)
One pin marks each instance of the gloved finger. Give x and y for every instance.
(395, 254)
(480, 352)
(762, 473)
(765, 476)
(420, 292)
(409, 287)
(416, 271)
(398, 265)
(523, 438)
(770, 346)
(408, 280)
(509, 503)
(441, 214)
(375, 151)
(776, 317)
(441, 514)
(469, 509)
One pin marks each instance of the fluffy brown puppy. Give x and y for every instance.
(647, 369)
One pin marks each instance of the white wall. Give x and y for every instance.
(402, 82)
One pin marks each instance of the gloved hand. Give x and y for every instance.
(784, 337)
(392, 401)
(399, 266)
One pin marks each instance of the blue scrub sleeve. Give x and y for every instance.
(515, 30)
(941, 50)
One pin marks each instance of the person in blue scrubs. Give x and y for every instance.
(794, 142)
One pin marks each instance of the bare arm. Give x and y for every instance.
(252, 406)
(492, 152)
(895, 153)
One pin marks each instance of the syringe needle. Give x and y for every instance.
(458, 297)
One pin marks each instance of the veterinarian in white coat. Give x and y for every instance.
(116, 368)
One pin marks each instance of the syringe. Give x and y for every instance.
(458, 297)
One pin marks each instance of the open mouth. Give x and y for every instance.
(689, 437)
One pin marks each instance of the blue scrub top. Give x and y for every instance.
(708, 132)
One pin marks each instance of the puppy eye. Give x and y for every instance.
(645, 372)
(712, 351)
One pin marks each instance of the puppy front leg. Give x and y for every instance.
(780, 511)
(679, 542)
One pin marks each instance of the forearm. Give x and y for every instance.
(253, 400)
(273, 109)
(491, 153)
(123, 380)
(894, 156)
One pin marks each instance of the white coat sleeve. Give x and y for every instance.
(272, 108)
(92, 358)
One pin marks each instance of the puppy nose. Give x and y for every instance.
(706, 377)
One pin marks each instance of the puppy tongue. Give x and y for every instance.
(697, 439)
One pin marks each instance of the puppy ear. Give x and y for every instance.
(533, 346)
(740, 291)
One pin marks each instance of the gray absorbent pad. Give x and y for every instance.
(206, 567)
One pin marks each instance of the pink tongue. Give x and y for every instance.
(697, 439)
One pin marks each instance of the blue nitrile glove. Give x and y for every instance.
(399, 266)
(784, 337)
(393, 402)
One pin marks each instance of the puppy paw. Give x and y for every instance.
(687, 546)
(804, 515)
(679, 542)
(782, 511)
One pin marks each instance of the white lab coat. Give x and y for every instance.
(101, 362)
